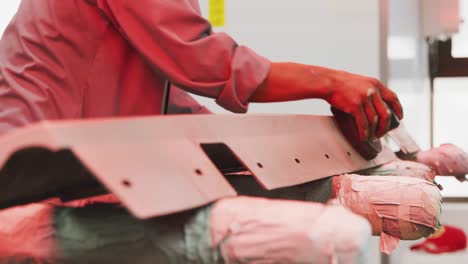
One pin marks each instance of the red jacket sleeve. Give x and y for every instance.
(182, 103)
(177, 41)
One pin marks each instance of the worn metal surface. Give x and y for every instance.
(156, 165)
(404, 140)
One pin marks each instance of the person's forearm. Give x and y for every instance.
(366, 99)
(292, 81)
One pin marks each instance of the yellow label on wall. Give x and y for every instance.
(217, 13)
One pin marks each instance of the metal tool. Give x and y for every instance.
(368, 149)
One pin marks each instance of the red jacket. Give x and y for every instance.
(102, 58)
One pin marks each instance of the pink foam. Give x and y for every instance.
(447, 159)
(275, 231)
(397, 207)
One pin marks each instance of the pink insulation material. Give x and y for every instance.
(447, 160)
(404, 168)
(276, 231)
(104, 199)
(397, 207)
(28, 231)
(245, 230)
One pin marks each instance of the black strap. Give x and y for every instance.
(167, 97)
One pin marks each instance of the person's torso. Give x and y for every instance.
(66, 59)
